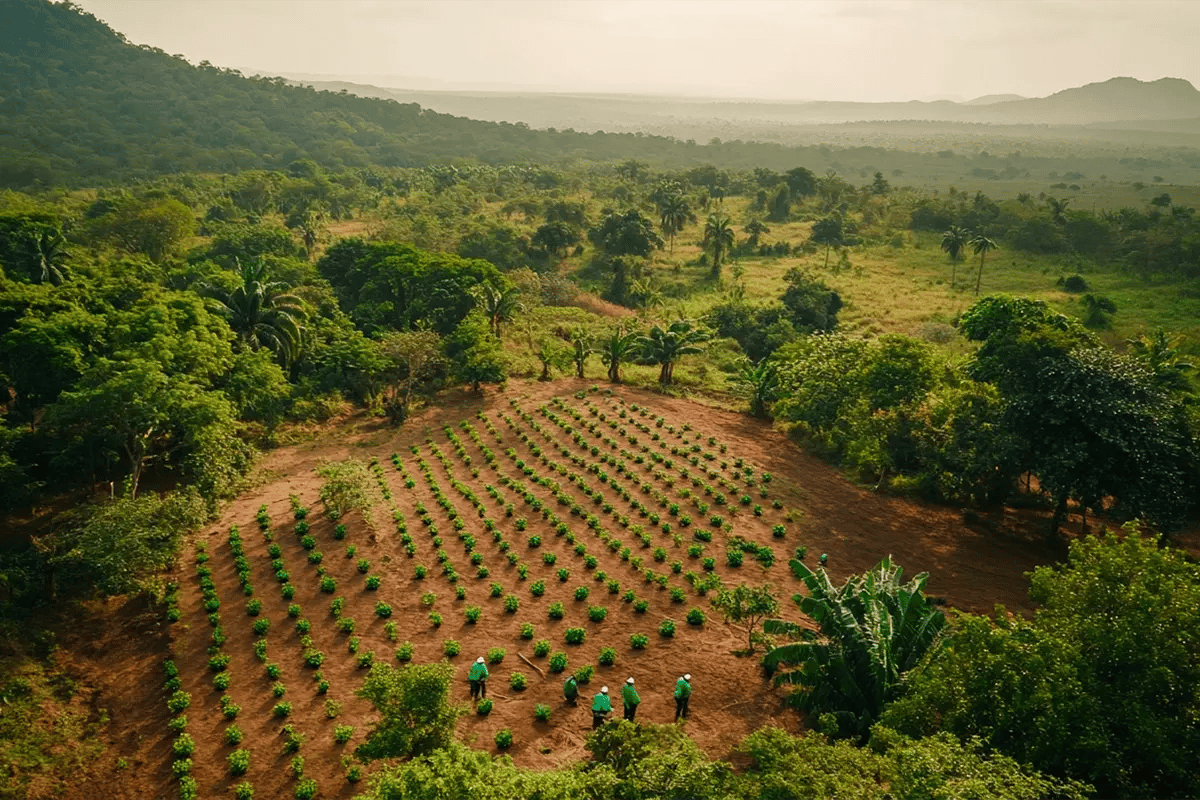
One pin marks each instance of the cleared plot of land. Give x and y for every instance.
(535, 495)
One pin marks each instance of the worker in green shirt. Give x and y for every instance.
(630, 699)
(571, 690)
(683, 693)
(478, 679)
(601, 708)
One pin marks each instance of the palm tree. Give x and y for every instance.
(262, 313)
(1058, 209)
(666, 347)
(498, 304)
(953, 242)
(981, 245)
(617, 349)
(758, 383)
(50, 254)
(675, 213)
(718, 240)
(581, 348)
(1160, 352)
(873, 629)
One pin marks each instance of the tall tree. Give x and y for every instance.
(954, 240)
(498, 303)
(756, 229)
(262, 312)
(674, 214)
(759, 384)
(829, 232)
(413, 358)
(982, 245)
(555, 238)
(718, 241)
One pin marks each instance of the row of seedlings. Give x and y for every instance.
(558, 660)
(668, 627)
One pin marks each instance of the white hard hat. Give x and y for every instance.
(604, 690)
(629, 681)
(479, 660)
(687, 677)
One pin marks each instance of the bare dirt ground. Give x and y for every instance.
(120, 647)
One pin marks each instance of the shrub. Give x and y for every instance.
(178, 724)
(778, 531)
(404, 652)
(597, 613)
(179, 701)
(306, 789)
(678, 595)
(234, 735)
(483, 708)
(517, 681)
(294, 610)
(512, 603)
(504, 739)
(282, 709)
(541, 712)
(254, 607)
(556, 611)
(183, 746)
(328, 585)
(582, 593)
(435, 619)
(313, 659)
(495, 655)
(346, 624)
(563, 574)
(343, 733)
(239, 762)
(451, 647)
(537, 588)
(420, 571)
(541, 647)
(667, 628)
(549, 559)
(575, 635)
(640, 606)
(734, 558)
(558, 662)
(695, 616)
(607, 657)
(460, 593)
(472, 614)
(373, 582)
(383, 610)
(278, 690)
(584, 674)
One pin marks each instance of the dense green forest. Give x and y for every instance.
(199, 266)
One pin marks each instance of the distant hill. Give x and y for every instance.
(989, 99)
(1113, 100)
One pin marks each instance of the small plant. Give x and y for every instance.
(328, 585)
(667, 628)
(254, 607)
(517, 681)
(584, 674)
(472, 614)
(556, 611)
(294, 610)
(343, 733)
(239, 762)
(695, 616)
(332, 709)
(483, 707)
(373, 582)
(537, 588)
(549, 559)
(496, 655)
(638, 641)
(282, 710)
(420, 571)
(278, 690)
(597, 613)
(504, 739)
(563, 574)
(575, 635)
(541, 712)
(460, 593)
(234, 735)
(607, 657)
(179, 701)
(677, 595)
(512, 603)
(451, 648)
(306, 789)
(557, 662)
(404, 652)
(346, 624)
(527, 630)
(435, 619)
(640, 606)
(383, 610)
(582, 593)
(541, 647)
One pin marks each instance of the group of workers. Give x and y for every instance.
(601, 703)
(630, 699)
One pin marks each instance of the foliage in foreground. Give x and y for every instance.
(413, 702)
(1102, 686)
(632, 762)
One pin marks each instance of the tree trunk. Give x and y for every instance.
(828, 247)
(979, 277)
(1056, 519)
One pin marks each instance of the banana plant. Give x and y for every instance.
(872, 630)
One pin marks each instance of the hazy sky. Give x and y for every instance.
(864, 50)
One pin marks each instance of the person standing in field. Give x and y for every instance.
(571, 690)
(683, 693)
(601, 708)
(478, 679)
(630, 699)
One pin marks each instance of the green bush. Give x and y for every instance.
(558, 662)
(527, 630)
(541, 712)
(472, 614)
(234, 735)
(541, 647)
(556, 611)
(404, 652)
(244, 791)
(638, 641)
(281, 710)
(239, 762)
(695, 617)
(666, 628)
(495, 655)
(607, 657)
(504, 739)
(451, 647)
(179, 701)
(483, 708)
(517, 681)
(183, 746)
(512, 603)
(584, 674)
(582, 592)
(575, 635)
(343, 733)
(383, 610)
(597, 613)
(306, 789)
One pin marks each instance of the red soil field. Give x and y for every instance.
(972, 567)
